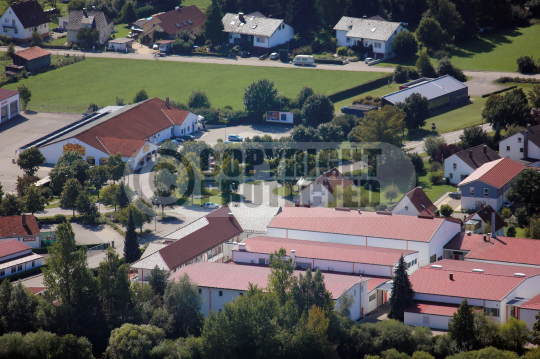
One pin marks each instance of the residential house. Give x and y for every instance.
(21, 19)
(320, 192)
(528, 311)
(256, 32)
(375, 264)
(415, 203)
(352, 31)
(9, 104)
(24, 229)
(475, 222)
(488, 249)
(489, 184)
(523, 147)
(79, 19)
(125, 130)
(441, 93)
(440, 288)
(121, 44)
(461, 164)
(16, 257)
(32, 59)
(221, 283)
(189, 18)
(424, 234)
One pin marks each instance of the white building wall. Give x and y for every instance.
(189, 125)
(53, 151)
(435, 321)
(281, 36)
(534, 152)
(444, 234)
(162, 135)
(32, 241)
(462, 169)
(22, 33)
(528, 316)
(529, 288)
(448, 299)
(405, 207)
(515, 144)
(470, 202)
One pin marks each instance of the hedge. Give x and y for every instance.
(356, 90)
(519, 80)
(59, 218)
(331, 62)
(26, 273)
(45, 250)
(499, 91)
(207, 54)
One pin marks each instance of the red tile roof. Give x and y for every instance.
(5, 93)
(436, 281)
(500, 249)
(374, 282)
(182, 17)
(533, 303)
(12, 246)
(421, 202)
(328, 220)
(126, 147)
(495, 173)
(12, 226)
(324, 250)
(219, 229)
(332, 179)
(485, 214)
(433, 308)
(32, 53)
(142, 121)
(488, 268)
(238, 277)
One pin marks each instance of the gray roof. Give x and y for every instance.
(150, 262)
(367, 28)
(152, 248)
(253, 218)
(252, 25)
(190, 228)
(120, 40)
(77, 18)
(430, 89)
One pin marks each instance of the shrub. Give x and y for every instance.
(412, 73)
(342, 51)
(358, 101)
(369, 97)
(526, 64)
(446, 210)
(405, 44)
(435, 167)
(60, 218)
(400, 74)
(439, 54)
(436, 178)
(304, 50)
(445, 67)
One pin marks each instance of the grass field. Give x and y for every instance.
(100, 81)
(495, 52)
(201, 4)
(123, 30)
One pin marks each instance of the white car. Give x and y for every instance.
(369, 59)
(274, 56)
(210, 205)
(155, 47)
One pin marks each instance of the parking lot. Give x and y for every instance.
(22, 130)
(212, 135)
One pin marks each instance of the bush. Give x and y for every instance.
(524, 80)
(412, 73)
(304, 50)
(522, 217)
(446, 210)
(440, 54)
(526, 65)
(342, 51)
(436, 178)
(400, 74)
(283, 55)
(405, 44)
(435, 167)
(445, 67)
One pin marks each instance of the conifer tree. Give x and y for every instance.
(536, 330)
(461, 328)
(131, 248)
(402, 292)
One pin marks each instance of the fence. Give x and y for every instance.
(97, 250)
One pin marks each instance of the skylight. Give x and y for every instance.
(254, 26)
(177, 25)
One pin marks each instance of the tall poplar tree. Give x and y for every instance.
(132, 252)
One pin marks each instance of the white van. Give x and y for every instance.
(304, 60)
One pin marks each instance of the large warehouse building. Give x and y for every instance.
(133, 131)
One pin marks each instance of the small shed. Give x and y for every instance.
(165, 45)
(33, 58)
(121, 44)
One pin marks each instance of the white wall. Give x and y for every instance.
(528, 316)
(7, 102)
(461, 169)
(213, 302)
(22, 33)
(534, 152)
(405, 207)
(514, 153)
(470, 202)
(189, 125)
(529, 288)
(281, 36)
(32, 241)
(25, 266)
(53, 151)
(435, 321)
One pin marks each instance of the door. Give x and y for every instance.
(385, 296)
(456, 257)
(380, 297)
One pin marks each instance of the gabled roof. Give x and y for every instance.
(220, 228)
(430, 89)
(30, 13)
(477, 156)
(81, 17)
(151, 258)
(12, 246)
(465, 284)
(182, 19)
(332, 179)
(329, 220)
(533, 303)
(495, 173)
(252, 25)
(253, 218)
(499, 249)
(432, 308)
(486, 214)
(367, 28)
(533, 133)
(13, 226)
(124, 146)
(32, 53)
(5, 93)
(420, 201)
(324, 250)
(238, 277)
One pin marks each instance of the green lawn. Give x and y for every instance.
(378, 92)
(201, 4)
(100, 81)
(123, 30)
(213, 196)
(495, 52)
(434, 192)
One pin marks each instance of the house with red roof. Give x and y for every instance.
(320, 192)
(134, 131)
(189, 18)
(489, 184)
(16, 257)
(9, 104)
(497, 289)
(425, 234)
(475, 222)
(23, 228)
(461, 164)
(529, 310)
(220, 283)
(415, 203)
(32, 59)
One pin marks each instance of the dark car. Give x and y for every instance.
(455, 195)
(58, 29)
(244, 54)
(188, 137)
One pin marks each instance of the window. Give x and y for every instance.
(261, 261)
(13, 269)
(406, 208)
(492, 311)
(372, 297)
(2, 272)
(472, 191)
(14, 108)
(16, 30)
(455, 166)
(7, 20)
(283, 26)
(200, 291)
(221, 293)
(13, 22)
(91, 160)
(5, 29)
(508, 148)
(19, 268)
(33, 264)
(519, 139)
(260, 39)
(4, 112)
(425, 319)
(230, 36)
(433, 258)
(348, 39)
(486, 192)
(451, 175)
(521, 149)
(219, 310)
(241, 294)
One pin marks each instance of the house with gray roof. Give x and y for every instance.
(256, 32)
(80, 19)
(351, 31)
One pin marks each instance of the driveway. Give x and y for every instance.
(212, 135)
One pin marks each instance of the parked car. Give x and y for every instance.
(58, 29)
(455, 195)
(507, 204)
(155, 47)
(210, 205)
(236, 138)
(369, 59)
(274, 56)
(178, 141)
(188, 138)
(244, 54)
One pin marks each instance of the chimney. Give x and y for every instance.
(242, 247)
(23, 219)
(485, 149)
(451, 275)
(293, 255)
(333, 174)
(93, 8)
(167, 101)
(241, 17)
(470, 153)
(84, 12)
(493, 230)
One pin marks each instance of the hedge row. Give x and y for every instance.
(356, 90)
(330, 62)
(519, 80)
(26, 273)
(207, 54)
(59, 218)
(498, 91)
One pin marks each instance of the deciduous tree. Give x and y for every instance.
(424, 65)
(525, 188)
(515, 335)
(198, 99)
(88, 37)
(140, 96)
(473, 136)
(430, 34)
(21, 309)
(70, 194)
(391, 191)
(11, 205)
(114, 285)
(116, 167)
(384, 125)
(446, 210)
(503, 111)
(98, 177)
(86, 207)
(303, 95)
(30, 160)
(405, 44)
(182, 300)
(281, 279)
(330, 132)
(301, 133)
(534, 96)
(33, 201)
(416, 109)
(158, 280)
(317, 109)
(461, 327)
(445, 67)
(260, 97)
(132, 341)
(25, 95)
